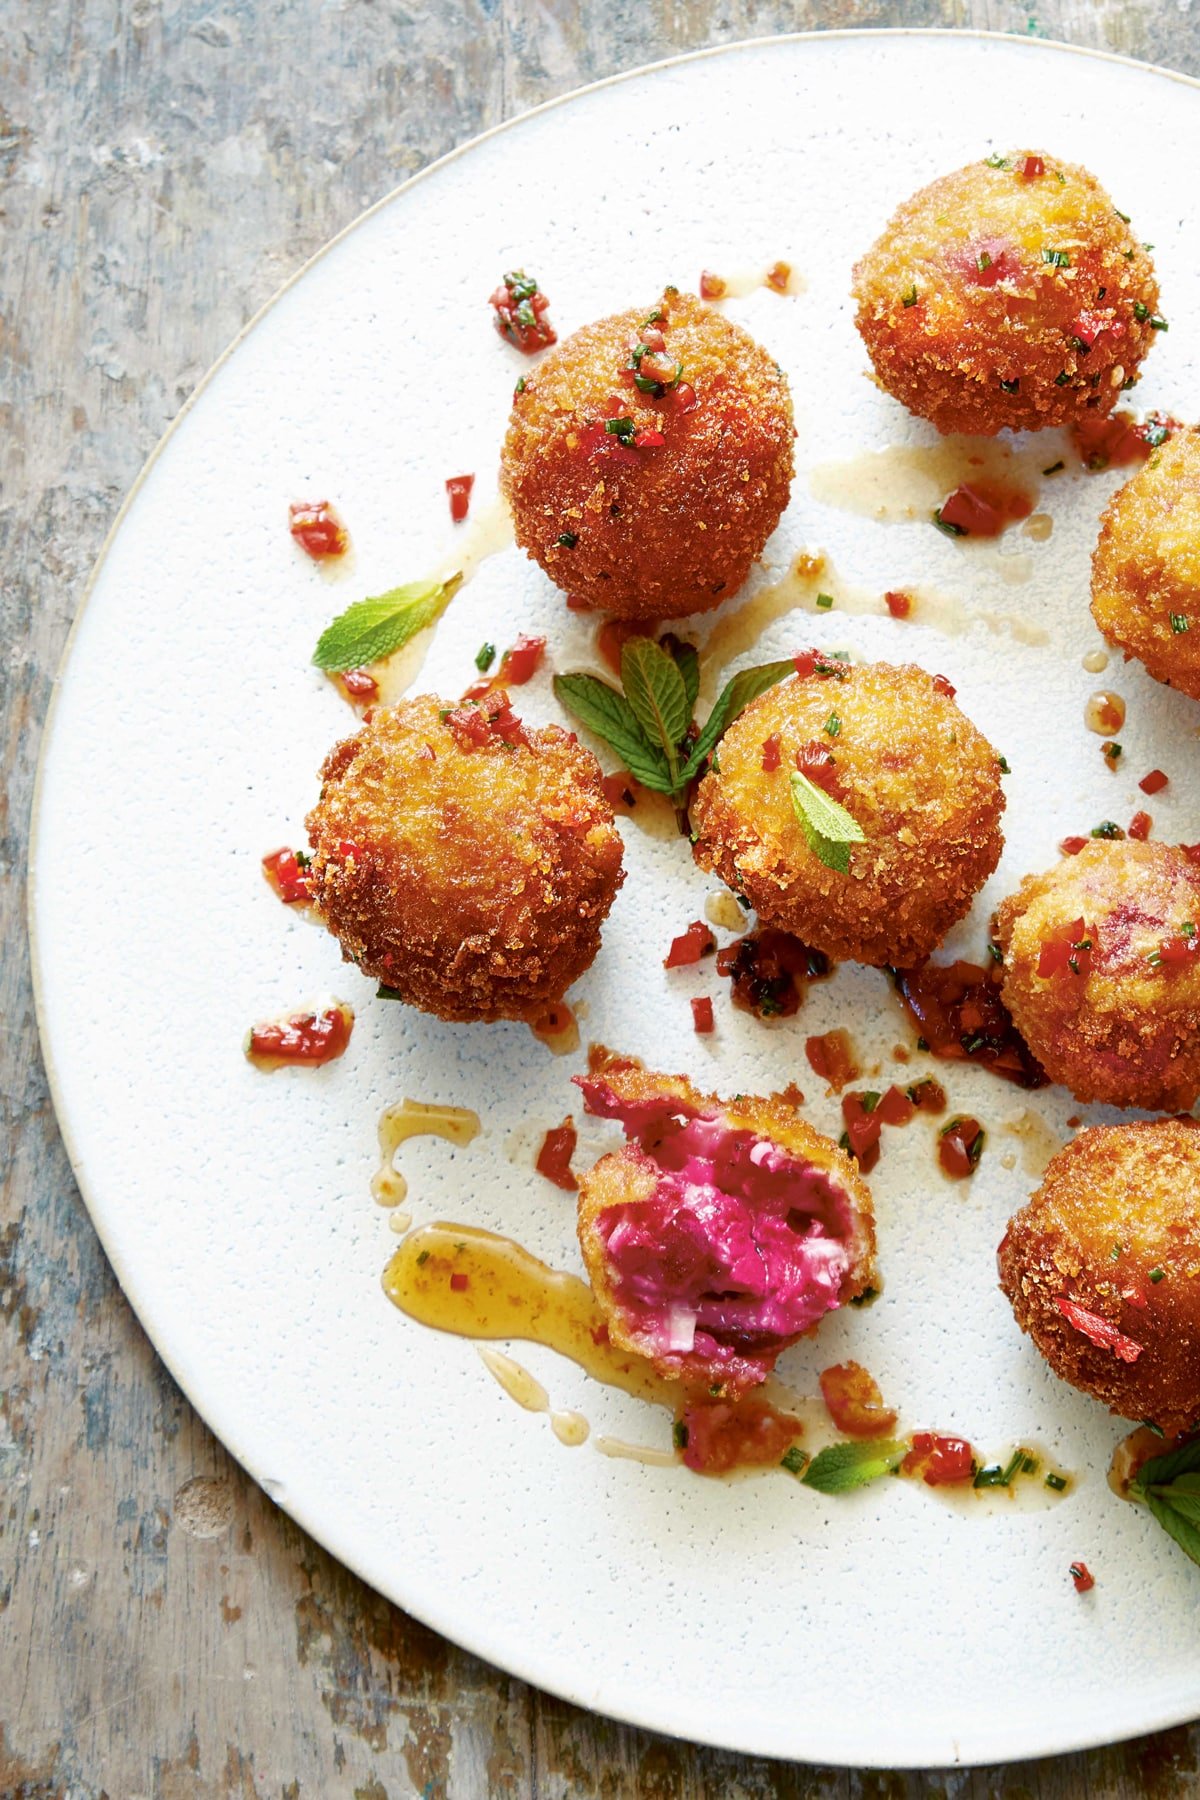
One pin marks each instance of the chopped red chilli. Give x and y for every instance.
(779, 276)
(898, 603)
(1083, 1578)
(554, 1157)
(770, 753)
(712, 287)
(521, 313)
(359, 684)
(944, 686)
(301, 1037)
(1098, 1330)
(817, 762)
(285, 873)
(459, 1283)
(690, 946)
(960, 1146)
(702, 1015)
(459, 489)
(490, 719)
(769, 969)
(1154, 782)
(518, 665)
(318, 528)
(1140, 827)
(1032, 167)
(1071, 846)
(939, 1461)
(976, 510)
(863, 1129)
(831, 1056)
(1070, 949)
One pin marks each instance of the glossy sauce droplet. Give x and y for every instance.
(413, 1119)
(570, 1428)
(557, 1028)
(1096, 661)
(642, 1453)
(516, 1381)
(1104, 713)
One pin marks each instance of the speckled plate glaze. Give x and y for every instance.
(885, 1628)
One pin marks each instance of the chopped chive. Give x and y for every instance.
(1141, 311)
(1178, 623)
(909, 297)
(946, 526)
(794, 1460)
(1124, 217)
(1054, 467)
(485, 656)
(1158, 323)
(996, 162)
(833, 724)
(679, 1434)
(1107, 828)
(1058, 259)
(824, 601)
(1011, 387)
(1061, 379)
(1157, 1275)
(1004, 768)
(422, 1259)
(567, 539)
(1057, 1482)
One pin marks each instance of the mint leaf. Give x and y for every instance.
(1173, 1522)
(828, 828)
(1184, 1459)
(656, 691)
(684, 656)
(374, 628)
(604, 711)
(843, 1467)
(733, 699)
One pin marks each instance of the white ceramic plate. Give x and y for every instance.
(880, 1629)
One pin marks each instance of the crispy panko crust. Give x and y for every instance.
(675, 529)
(473, 882)
(1125, 1031)
(1146, 566)
(1135, 1188)
(912, 771)
(627, 1176)
(946, 352)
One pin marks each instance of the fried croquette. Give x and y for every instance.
(892, 748)
(1102, 972)
(463, 860)
(649, 458)
(1146, 566)
(1102, 1267)
(1010, 294)
(722, 1231)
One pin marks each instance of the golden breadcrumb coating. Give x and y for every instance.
(1146, 566)
(908, 767)
(1125, 1028)
(629, 1176)
(656, 532)
(473, 881)
(992, 300)
(1115, 1229)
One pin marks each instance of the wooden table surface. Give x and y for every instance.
(165, 1632)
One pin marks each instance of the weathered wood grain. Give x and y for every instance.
(164, 1631)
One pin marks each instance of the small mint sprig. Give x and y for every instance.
(647, 721)
(1169, 1485)
(379, 626)
(828, 828)
(842, 1467)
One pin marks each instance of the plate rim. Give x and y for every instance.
(987, 1745)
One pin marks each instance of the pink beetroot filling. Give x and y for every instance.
(740, 1243)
